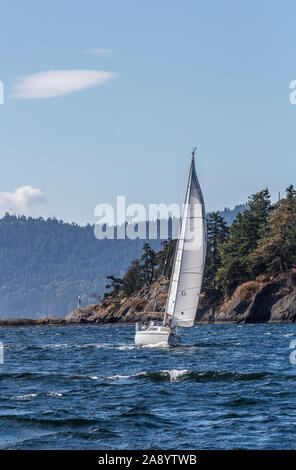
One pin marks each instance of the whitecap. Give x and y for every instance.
(54, 394)
(176, 374)
(29, 395)
(157, 345)
(92, 345)
(57, 345)
(114, 377)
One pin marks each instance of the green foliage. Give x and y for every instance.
(46, 264)
(149, 262)
(133, 281)
(154, 265)
(262, 240)
(245, 232)
(114, 284)
(165, 258)
(276, 251)
(217, 234)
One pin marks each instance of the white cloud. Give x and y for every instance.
(20, 200)
(59, 82)
(98, 51)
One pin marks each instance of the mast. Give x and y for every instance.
(180, 242)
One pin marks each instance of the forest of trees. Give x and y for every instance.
(46, 264)
(260, 241)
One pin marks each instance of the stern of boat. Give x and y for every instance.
(154, 333)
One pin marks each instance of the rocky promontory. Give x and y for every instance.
(259, 301)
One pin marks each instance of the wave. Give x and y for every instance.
(16, 375)
(34, 395)
(35, 376)
(25, 397)
(162, 344)
(176, 375)
(118, 346)
(241, 401)
(53, 421)
(163, 375)
(201, 344)
(60, 346)
(117, 376)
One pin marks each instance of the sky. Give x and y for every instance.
(106, 98)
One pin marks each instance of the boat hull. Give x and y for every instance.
(146, 338)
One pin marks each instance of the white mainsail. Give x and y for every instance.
(187, 274)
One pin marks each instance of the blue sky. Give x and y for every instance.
(207, 73)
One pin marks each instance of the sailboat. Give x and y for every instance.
(187, 273)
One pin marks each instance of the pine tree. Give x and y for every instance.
(133, 281)
(217, 234)
(114, 285)
(237, 265)
(276, 251)
(149, 261)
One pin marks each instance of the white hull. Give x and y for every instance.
(157, 336)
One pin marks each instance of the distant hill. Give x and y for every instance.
(46, 264)
(230, 214)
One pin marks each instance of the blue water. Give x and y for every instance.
(89, 387)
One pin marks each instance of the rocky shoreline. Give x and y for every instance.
(260, 301)
(263, 300)
(20, 322)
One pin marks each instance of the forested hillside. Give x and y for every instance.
(253, 259)
(46, 264)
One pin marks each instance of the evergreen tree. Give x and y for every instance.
(245, 233)
(149, 261)
(115, 285)
(133, 281)
(217, 234)
(276, 251)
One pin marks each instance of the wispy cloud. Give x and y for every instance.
(53, 83)
(99, 51)
(20, 200)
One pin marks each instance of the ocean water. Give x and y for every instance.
(90, 387)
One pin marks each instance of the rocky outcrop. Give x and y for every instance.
(262, 300)
(147, 304)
